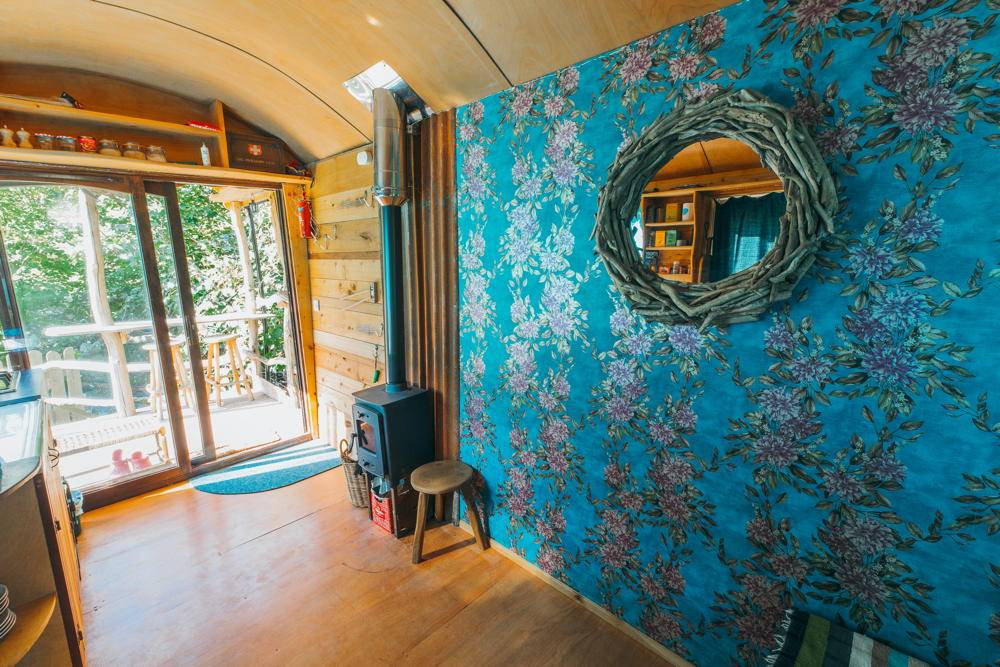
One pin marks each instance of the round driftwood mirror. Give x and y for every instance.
(668, 219)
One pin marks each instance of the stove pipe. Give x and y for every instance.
(390, 192)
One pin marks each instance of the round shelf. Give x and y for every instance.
(32, 619)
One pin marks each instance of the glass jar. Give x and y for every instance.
(156, 154)
(65, 143)
(133, 150)
(109, 147)
(86, 144)
(44, 141)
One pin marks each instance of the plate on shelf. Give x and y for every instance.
(7, 624)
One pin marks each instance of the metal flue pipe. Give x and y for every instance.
(390, 192)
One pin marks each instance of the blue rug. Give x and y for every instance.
(271, 471)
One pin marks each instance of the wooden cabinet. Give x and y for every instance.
(38, 559)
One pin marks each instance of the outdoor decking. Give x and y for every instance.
(240, 423)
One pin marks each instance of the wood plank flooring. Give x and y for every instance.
(297, 576)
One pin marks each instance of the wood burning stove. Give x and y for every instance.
(394, 421)
(395, 436)
(395, 431)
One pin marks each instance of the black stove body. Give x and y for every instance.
(395, 431)
(395, 436)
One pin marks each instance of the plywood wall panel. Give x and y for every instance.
(352, 324)
(354, 204)
(341, 289)
(350, 236)
(344, 363)
(345, 261)
(346, 269)
(432, 278)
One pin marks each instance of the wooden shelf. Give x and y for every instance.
(679, 277)
(685, 248)
(32, 619)
(84, 116)
(128, 165)
(688, 194)
(672, 223)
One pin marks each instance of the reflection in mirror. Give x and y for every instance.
(713, 210)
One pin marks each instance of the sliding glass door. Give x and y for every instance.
(160, 318)
(80, 297)
(234, 250)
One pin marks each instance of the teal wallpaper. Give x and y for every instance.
(839, 456)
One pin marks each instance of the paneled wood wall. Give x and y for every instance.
(432, 277)
(345, 260)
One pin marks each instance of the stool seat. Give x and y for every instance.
(437, 479)
(440, 477)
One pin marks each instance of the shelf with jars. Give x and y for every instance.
(29, 124)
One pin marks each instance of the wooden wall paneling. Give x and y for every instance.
(298, 254)
(432, 280)
(342, 172)
(347, 364)
(342, 289)
(345, 263)
(353, 346)
(349, 236)
(367, 327)
(98, 92)
(354, 204)
(347, 269)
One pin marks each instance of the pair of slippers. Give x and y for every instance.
(122, 466)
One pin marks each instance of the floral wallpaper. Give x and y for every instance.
(840, 456)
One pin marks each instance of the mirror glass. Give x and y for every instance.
(713, 210)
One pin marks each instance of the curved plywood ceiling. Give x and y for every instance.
(281, 63)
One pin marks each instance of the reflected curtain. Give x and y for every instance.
(745, 229)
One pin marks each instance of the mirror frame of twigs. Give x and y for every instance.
(783, 145)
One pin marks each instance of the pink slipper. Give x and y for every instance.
(140, 461)
(119, 466)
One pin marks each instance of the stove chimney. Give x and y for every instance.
(390, 192)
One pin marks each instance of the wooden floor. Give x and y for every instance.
(297, 576)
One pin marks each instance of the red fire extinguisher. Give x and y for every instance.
(306, 226)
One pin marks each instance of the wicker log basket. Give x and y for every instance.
(357, 482)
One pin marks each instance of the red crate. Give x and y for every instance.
(382, 512)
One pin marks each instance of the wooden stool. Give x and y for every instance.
(236, 376)
(180, 372)
(438, 479)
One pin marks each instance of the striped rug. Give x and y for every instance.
(813, 641)
(271, 471)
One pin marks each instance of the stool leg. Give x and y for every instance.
(473, 515)
(455, 504)
(418, 534)
(439, 507)
(217, 370)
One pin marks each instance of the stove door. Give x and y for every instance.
(371, 435)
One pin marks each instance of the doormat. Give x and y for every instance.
(271, 471)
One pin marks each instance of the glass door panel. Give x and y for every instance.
(183, 349)
(235, 256)
(78, 278)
